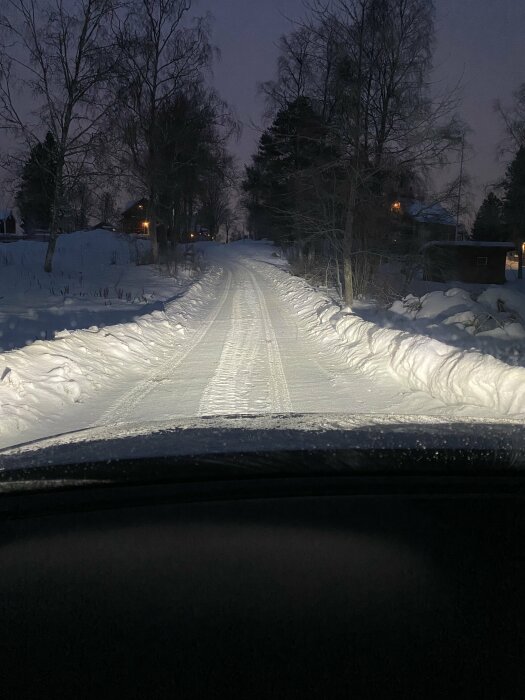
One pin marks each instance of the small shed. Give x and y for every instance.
(475, 262)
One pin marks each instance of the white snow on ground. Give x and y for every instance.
(40, 382)
(453, 375)
(95, 281)
(491, 322)
(246, 337)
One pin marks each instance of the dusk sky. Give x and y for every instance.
(480, 42)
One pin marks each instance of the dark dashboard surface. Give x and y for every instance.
(394, 587)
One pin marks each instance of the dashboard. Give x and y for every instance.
(336, 587)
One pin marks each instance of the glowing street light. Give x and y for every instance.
(146, 226)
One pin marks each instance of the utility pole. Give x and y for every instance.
(460, 185)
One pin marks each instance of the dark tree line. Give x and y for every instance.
(292, 174)
(354, 121)
(489, 224)
(119, 89)
(37, 185)
(514, 204)
(503, 218)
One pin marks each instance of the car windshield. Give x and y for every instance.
(238, 226)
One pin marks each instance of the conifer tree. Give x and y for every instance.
(488, 225)
(514, 203)
(37, 188)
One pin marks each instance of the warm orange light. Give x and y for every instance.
(396, 207)
(146, 224)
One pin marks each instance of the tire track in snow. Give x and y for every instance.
(280, 395)
(126, 404)
(229, 389)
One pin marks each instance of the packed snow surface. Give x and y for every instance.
(242, 337)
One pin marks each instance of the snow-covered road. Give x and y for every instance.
(250, 355)
(247, 338)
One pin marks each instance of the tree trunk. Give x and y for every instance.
(154, 239)
(55, 218)
(153, 227)
(348, 241)
(348, 276)
(162, 240)
(518, 240)
(51, 245)
(172, 229)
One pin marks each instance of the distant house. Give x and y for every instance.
(7, 223)
(104, 225)
(416, 223)
(134, 219)
(475, 262)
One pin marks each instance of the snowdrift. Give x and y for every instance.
(39, 381)
(495, 313)
(450, 374)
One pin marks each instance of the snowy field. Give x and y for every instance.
(95, 282)
(104, 342)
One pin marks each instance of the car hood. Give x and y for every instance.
(240, 436)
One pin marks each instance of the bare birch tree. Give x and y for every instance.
(61, 55)
(513, 118)
(388, 118)
(164, 51)
(365, 66)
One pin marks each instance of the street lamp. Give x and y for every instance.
(146, 226)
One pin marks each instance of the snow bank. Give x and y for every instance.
(434, 305)
(504, 299)
(490, 321)
(41, 380)
(450, 374)
(495, 307)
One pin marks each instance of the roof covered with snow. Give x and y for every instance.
(133, 203)
(429, 213)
